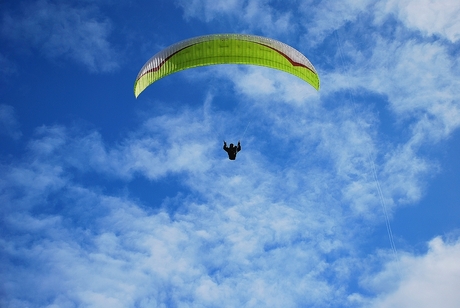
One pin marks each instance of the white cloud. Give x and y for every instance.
(324, 18)
(421, 83)
(252, 15)
(58, 29)
(430, 17)
(164, 145)
(428, 280)
(405, 174)
(208, 10)
(262, 84)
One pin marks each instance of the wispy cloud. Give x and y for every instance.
(321, 20)
(430, 17)
(252, 15)
(63, 30)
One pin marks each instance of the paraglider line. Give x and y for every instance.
(244, 133)
(374, 171)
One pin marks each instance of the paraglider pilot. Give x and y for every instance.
(232, 150)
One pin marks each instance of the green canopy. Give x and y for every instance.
(225, 49)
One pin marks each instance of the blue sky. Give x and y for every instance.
(346, 197)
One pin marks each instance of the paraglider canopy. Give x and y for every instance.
(225, 49)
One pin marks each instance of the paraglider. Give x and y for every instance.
(225, 49)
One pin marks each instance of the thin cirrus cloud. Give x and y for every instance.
(61, 30)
